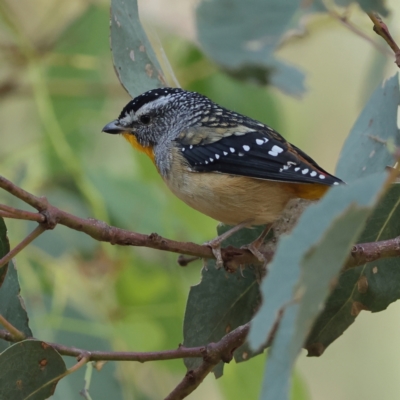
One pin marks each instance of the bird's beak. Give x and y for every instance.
(113, 127)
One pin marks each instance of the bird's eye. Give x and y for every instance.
(145, 119)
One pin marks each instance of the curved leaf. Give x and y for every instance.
(135, 62)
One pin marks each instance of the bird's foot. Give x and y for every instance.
(254, 246)
(215, 244)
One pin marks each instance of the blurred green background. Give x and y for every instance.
(58, 89)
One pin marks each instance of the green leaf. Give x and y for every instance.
(366, 5)
(372, 286)
(135, 62)
(303, 268)
(4, 249)
(365, 150)
(12, 306)
(221, 302)
(29, 370)
(242, 36)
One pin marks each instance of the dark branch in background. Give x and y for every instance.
(381, 29)
(49, 216)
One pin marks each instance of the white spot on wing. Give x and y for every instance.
(232, 150)
(322, 176)
(217, 156)
(211, 159)
(277, 149)
(225, 153)
(336, 183)
(304, 171)
(313, 174)
(297, 169)
(259, 142)
(246, 148)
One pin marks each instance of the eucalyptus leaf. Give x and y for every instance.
(372, 286)
(221, 302)
(304, 266)
(366, 148)
(29, 370)
(4, 249)
(242, 36)
(135, 62)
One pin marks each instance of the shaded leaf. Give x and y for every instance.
(365, 150)
(12, 306)
(303, 268)
(372, 286)
(135, 62)
(242, 36)
(221, 302)
(29, 369)
(4, 249)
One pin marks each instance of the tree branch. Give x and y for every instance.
(215, 352)
(367, 252)
(381, 29)
(49, 216)
(100, 231)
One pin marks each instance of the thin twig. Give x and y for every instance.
(16, 334)
(381, 29)
(180, 352)
(345, 22)
(20, 214)
(30, 238)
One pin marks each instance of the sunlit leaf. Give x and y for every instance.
(372, 286)
(300, 276)
(135, 62)
(365, 150)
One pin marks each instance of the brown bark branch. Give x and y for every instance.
(29, 239)
(215, 352)
(49, 216)
(99, 230)
(381, 29)
(367, 252)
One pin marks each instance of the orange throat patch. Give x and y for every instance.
(136, 145)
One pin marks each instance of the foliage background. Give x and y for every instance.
(58, 89)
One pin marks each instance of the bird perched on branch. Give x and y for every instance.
(232, 168)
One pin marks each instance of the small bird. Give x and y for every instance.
(230, 167)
